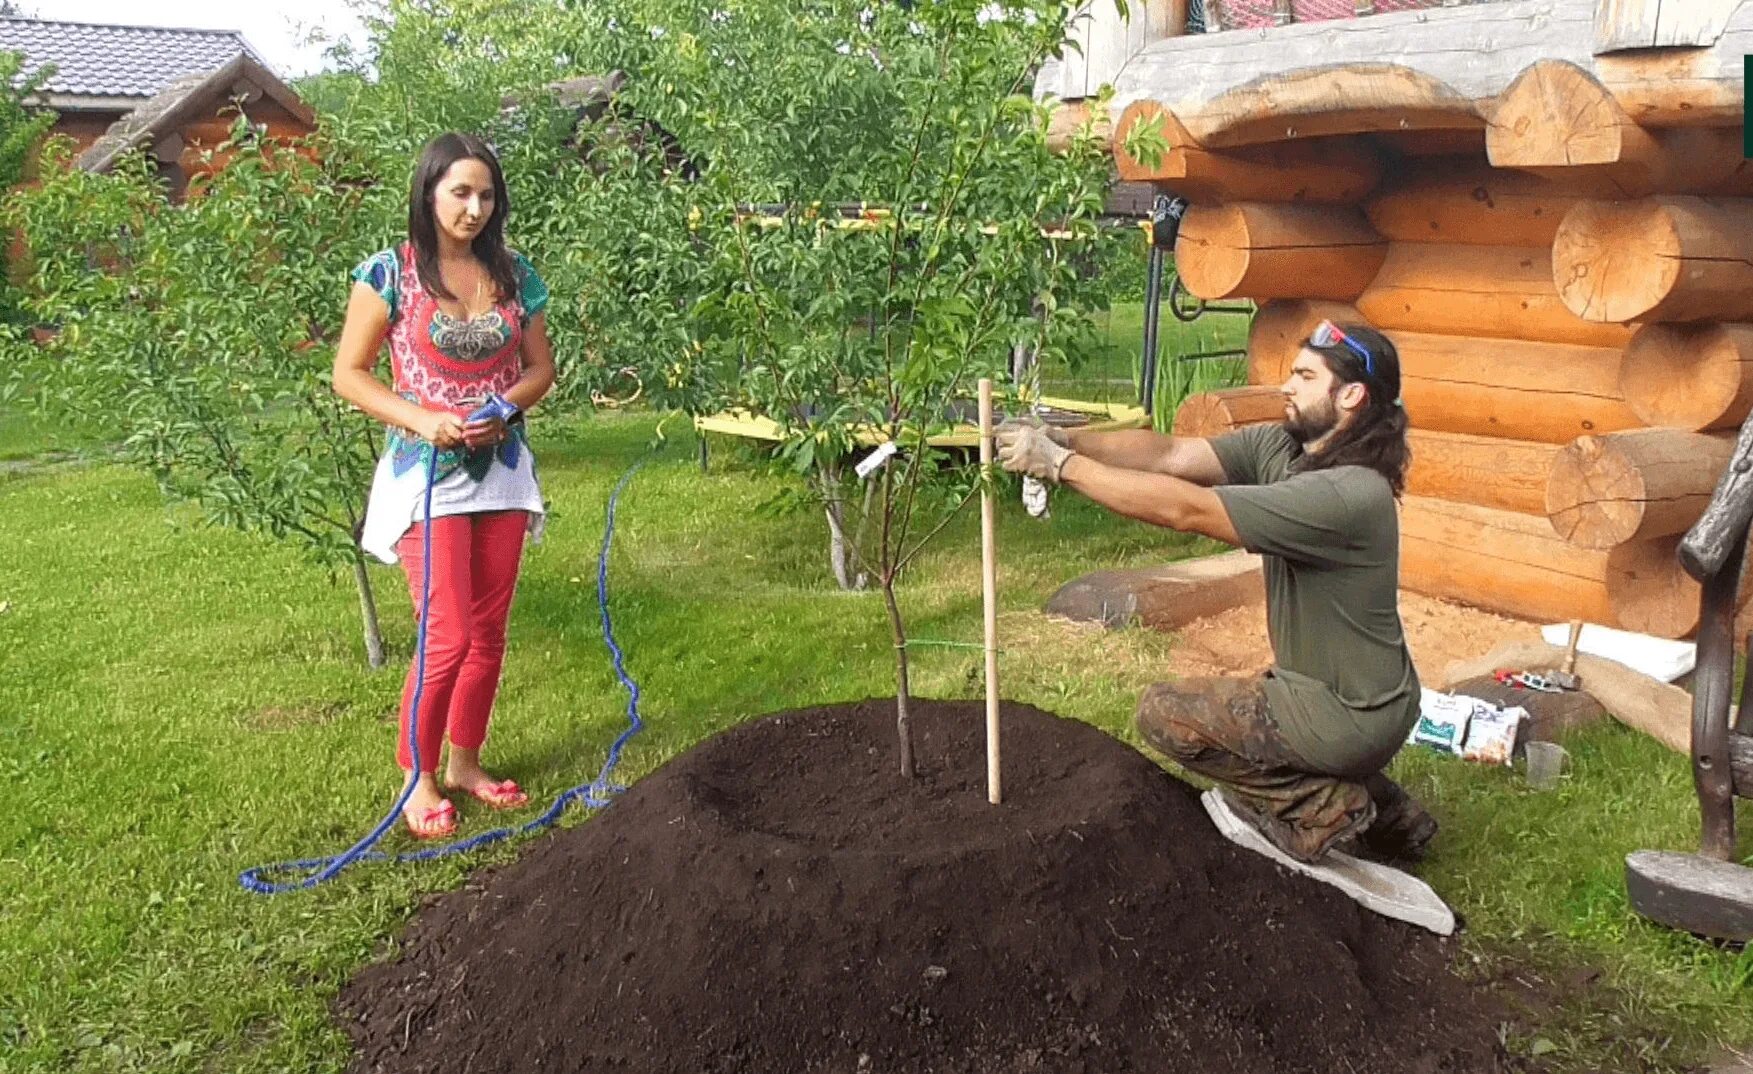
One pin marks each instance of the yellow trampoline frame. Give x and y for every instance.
(753, 426)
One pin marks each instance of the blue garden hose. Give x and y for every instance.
(595, 794)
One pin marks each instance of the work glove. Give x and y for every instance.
(1030, 450)
(1030, 421)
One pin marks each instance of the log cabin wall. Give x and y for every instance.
(1562, 259)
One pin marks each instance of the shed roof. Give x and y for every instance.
(185, 99)
(93, 60)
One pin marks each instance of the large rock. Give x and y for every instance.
(1163, 597)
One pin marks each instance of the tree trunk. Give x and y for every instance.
(1606, 490)
(898, 633)
(368, 612)
(842, 557)
(1690, 376)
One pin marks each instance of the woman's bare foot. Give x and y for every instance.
(464, 773)
(428, 812)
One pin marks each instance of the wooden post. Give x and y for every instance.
(989, 583)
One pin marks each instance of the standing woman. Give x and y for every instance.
(463, 318)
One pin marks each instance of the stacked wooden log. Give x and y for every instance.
(1571, 297)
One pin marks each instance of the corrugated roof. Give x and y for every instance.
(97, 60)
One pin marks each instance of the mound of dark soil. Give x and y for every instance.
(780, 900)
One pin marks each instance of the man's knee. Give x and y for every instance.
(1168, 719)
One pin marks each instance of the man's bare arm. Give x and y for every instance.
(1189, 458)
(1159, 499)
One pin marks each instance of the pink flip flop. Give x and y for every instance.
(505, 794)
(438, 822)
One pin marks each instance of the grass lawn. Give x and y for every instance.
(182, 703)
(25, 436)
(1112, 373)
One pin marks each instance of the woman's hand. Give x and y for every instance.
(440, 429)
(487, 432)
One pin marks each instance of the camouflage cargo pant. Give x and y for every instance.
(1220, 728)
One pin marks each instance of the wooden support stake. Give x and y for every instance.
(989, 583)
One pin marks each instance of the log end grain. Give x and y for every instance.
(1594, 494)
(1690, 376)
(1616, 261)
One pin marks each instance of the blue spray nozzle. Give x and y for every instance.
(496, 406)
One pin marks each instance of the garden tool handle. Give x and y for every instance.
(1576, 634)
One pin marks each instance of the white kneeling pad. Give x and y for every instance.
(1387, 891)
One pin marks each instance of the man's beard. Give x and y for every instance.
(1307, 426)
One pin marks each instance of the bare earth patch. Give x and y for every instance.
(1438, 633)
(290, 717)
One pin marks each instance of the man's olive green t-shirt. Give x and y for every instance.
(1343, 691)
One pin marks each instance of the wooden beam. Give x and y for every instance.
(1558, 121)
(1432, 143)
(1650, 592)
(1633, 485)
(1280, 328)
(1362, 97)
(1208, 414)
(1658, 709)
(1633, 24)
(1469, 204)
(1501, 561)
(1509, 475)
(1106, 40)
(1697, 377)
(1071, 117)
(1672, 258)
(1545, 392)
(1433, 69)
(1478, 291)
(1488, 471)
(1338, 171)
(1261, 250)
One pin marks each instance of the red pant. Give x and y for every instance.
(475, 560)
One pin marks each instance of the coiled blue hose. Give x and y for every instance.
(597, 793)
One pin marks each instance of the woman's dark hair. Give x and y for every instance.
(1375, 437)
(435, 159)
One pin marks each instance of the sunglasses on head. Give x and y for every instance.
(1327, 334)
